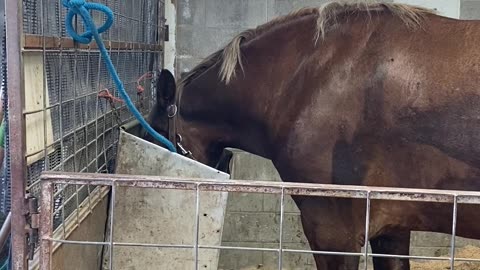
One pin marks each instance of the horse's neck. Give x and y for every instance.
(273, 61)
(246, 112)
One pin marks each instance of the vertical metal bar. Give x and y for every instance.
(197, 223)
(104, 149)
(64, 199)
(60, 101)
(97, 99)
(46, 225)
(112, 210)
(140, 70)
(16, 125)
(282, 214)
(44, 59)
(367, 225)
(126, 68)
(95, 158)
(104, 116)
(142, 26)
(85, 116)
(454, 231)
(75, 105)
(75, 56)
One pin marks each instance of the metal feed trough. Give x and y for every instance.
(150, 216)
(162, 216)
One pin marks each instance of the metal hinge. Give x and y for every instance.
(33, 223)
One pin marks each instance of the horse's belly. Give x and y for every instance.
(454, 129)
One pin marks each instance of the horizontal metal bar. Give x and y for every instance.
(247, 186)
(159, 245)
(377, 255)
(65, 202)
(119, 244)
(64, 101)
(428, 258)
(331, 253)
(467, 260)
(150, 245)
(34, 184)
(72, 242)
(238, 248)
(135, 19)
(39, 42)
(89, 50)
(77, 98)
(55, 143)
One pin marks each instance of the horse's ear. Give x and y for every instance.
(166, 87)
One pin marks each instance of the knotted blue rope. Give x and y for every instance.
(81, 7)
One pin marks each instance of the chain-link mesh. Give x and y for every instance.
(5, 183)
(80, 130)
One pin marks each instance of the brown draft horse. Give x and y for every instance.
(349, 93)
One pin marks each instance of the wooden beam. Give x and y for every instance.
(39, 130)
(37, 41)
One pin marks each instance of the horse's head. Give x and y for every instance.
(164, 106)
(173, 119)
(230, 99)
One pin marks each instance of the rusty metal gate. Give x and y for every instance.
(63, 106)
(368, 194)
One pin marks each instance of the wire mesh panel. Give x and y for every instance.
(72, 109)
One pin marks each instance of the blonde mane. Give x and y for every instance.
(328, 17)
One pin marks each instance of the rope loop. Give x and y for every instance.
(146, 76)
(105, 93)
(82, 8)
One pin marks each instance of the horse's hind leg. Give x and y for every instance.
(328, 226)
(395, 243)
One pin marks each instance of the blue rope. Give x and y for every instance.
(82, 8)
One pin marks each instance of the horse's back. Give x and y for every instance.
(430, 87)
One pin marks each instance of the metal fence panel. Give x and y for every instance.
(369, 194)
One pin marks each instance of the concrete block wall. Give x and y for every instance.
(470, 9)
(203, 26)
(253, 220)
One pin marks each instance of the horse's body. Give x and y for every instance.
(408, 165)
(345, 94)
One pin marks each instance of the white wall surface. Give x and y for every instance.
(448, 8)
(170, 46)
